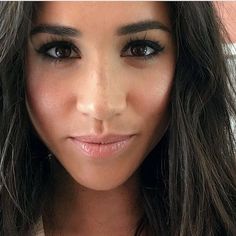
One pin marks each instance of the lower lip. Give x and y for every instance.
(101, 151)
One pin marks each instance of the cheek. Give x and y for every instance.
(154, 112)
(44, 101)
(152, 98)
(152, 95)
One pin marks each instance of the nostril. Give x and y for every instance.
(102, 103)
(100, 111)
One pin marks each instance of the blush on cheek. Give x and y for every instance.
(40, 104)
(44, 93)
(152, 101)
(38, 99)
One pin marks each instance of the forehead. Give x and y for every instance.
(101, 15)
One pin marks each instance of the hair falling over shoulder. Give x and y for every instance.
(190, 189)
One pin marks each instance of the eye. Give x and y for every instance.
(59, 50)
(143, 49)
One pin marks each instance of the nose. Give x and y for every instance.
(103, 96)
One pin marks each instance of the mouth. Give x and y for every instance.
(103, 146)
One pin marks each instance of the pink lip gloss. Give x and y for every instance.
(98, 150)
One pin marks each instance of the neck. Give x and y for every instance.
(90, 212)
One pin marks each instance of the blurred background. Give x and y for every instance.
(227, 12)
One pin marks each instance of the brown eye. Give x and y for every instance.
(142, 49)
(59, 50)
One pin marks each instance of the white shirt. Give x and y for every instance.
(38, 228)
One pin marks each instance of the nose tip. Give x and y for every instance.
(102, 106)
(101, 111)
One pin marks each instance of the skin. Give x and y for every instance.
(99, 93)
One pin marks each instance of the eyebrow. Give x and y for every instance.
(55, 29)
(142, 26)
(123, 30)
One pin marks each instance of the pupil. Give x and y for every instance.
(63, 52)
(139, 50)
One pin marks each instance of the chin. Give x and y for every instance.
(103, 183)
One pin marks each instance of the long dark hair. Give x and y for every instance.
(188, 181)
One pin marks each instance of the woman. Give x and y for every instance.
(115, 120)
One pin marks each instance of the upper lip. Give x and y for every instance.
(109, 138)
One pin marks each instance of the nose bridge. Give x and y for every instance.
(105, 96)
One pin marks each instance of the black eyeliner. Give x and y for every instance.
(137, 41)
(57, 43)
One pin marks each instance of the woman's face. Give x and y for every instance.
(100, 69)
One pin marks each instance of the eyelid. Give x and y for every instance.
(156, 46)
(47, 46)
(51, 41)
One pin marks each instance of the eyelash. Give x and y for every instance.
(131, 43)
(153, 44)
(55, 43)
